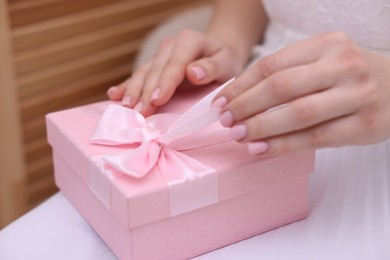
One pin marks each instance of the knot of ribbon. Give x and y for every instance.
(160, 138)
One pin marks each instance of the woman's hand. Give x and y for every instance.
(191, 55)
(330, 93)
(235, 27)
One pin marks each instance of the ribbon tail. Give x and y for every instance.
(136, 162)
(180, 167)
(197, 117)
(192, 184)
(201, 139)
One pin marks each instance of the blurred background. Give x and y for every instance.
(56, 54)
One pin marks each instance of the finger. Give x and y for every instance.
(297, 115)
(300, 53)
(280, 88)
(133, 87)
(334, 133)
(146, 109)
(219, 67)
(117, 92)
(237, 87)
(188, 47)
(151, 90)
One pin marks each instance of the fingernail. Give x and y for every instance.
(226, 119)
(155, 94)
(126, 101)
(257, 147)
(199, 72)
(139, 106)
(219, 102)
(238, 132)
(111, 90)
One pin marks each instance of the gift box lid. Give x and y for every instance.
(139, 201)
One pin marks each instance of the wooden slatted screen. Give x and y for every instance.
(12, 167)
(67, 53)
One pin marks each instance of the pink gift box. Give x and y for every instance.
(148, 218)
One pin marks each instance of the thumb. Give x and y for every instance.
(209, 69)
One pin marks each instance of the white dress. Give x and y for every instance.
(367, 22)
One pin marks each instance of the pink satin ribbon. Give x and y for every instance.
(161, 137)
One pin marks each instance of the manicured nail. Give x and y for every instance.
(257, 147)
(155, 94)
(139, 106)
(219, 102)
(226, 119)
(238, 132)
(199, 72)
(126, 101)
(111, 90)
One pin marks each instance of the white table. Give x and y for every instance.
(349, 219)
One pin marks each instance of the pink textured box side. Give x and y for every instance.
(193, 233)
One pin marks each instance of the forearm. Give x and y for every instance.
(238, 24)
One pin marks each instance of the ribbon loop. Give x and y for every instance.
(119, 125)
(136, 162)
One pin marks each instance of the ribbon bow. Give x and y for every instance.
(161, 138)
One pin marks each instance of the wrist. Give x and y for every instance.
(238, 25)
